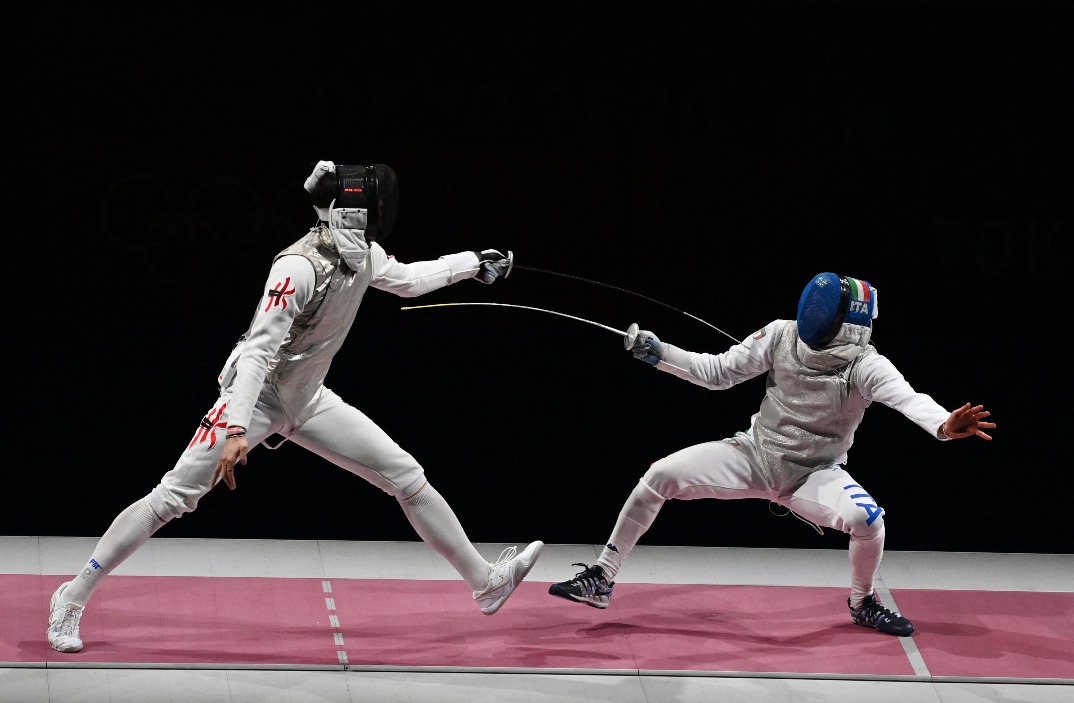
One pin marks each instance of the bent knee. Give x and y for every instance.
(169, 502)
(661, 480)
(410, 489)
(865, 527)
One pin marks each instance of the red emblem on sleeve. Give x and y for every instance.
(276, 296)
(208, 427)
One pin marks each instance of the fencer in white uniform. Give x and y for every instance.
(273, 383)
(822, 374)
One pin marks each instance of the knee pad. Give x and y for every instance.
(169, 503)
(148, 518)
(860, 529)
(408, 491)
(421, 499)
(658, 481)
(643, 505)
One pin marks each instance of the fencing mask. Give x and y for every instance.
(359, 203)
(835, 308)
(374, 189)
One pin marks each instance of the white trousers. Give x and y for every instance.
(730, 469)
(336, 431)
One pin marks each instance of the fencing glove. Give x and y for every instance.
(492, 265)
(644, 345)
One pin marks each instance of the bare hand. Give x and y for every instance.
(235, 449)
(968, 421)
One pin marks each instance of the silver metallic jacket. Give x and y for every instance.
(810, 410)
(317, 333)
(812, 403)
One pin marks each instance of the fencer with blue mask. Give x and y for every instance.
(823, 372)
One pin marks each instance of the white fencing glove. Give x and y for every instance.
(492, 265)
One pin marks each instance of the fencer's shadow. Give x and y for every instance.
(943, 637)
(952, 629)
(707, 625)
(939, 636)
(149, 647)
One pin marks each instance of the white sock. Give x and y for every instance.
(636, 517)
(129, 531)
(865, 555)
(436, 524)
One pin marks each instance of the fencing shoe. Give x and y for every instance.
(873, 614)
(63, 624)
(588, 586)
(506, 574)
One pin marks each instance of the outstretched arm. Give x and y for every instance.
(741, 362)
(409, 280)
(968, 421)
(878, 380)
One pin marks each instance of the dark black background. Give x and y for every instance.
(712, 157)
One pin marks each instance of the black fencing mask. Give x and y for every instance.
(372, 188)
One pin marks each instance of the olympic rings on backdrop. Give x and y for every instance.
(181, 239)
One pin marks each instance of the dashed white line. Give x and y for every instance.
(333, 620)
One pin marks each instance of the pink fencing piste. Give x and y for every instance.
(388, 624)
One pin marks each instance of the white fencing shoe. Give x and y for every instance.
(506, 574)
(63, 624)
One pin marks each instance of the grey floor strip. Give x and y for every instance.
(908, 644)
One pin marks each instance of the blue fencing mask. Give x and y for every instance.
(831, 301)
